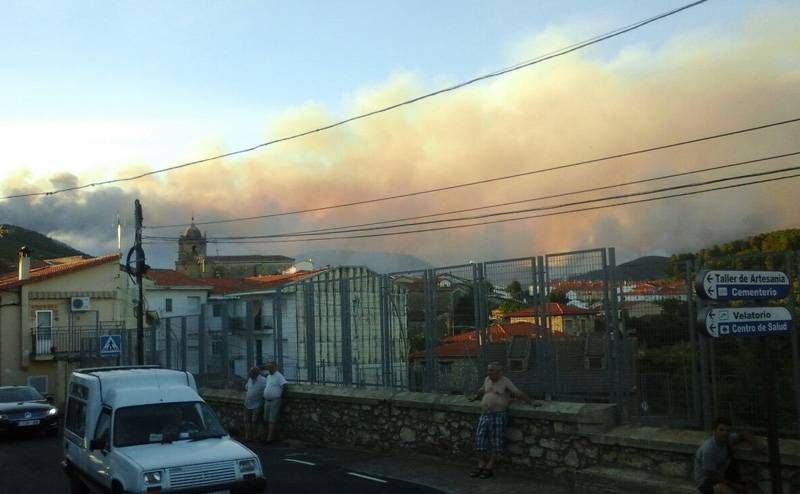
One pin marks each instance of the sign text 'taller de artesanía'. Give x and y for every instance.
(742, 285)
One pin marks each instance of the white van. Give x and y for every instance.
(145, 429)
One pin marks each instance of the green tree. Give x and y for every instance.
(515, 291)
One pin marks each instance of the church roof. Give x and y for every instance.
(192, 233)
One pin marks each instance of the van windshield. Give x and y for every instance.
(165, 422)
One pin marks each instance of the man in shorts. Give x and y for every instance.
(495, 395)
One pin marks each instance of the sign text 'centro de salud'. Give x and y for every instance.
(745, 321)
(742, 285)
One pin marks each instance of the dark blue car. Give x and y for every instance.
(22, 408)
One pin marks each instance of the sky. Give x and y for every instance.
(100, 90)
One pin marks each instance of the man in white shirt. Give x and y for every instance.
(253, 403)
(273, 391)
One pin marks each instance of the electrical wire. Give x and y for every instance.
(506, 220)
(338, 229)
(564, 51)
(488, 180)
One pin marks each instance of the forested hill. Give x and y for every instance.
(777, 241)
(41, 246)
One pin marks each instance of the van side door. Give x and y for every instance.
(99, 449)
(75, 432)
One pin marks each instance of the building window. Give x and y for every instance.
(168, 305)
(595, 362)
(216, 310)
(39, 383)
(259, 352)
(519, 353)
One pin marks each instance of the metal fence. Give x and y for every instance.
(685, 378)
(570, 326)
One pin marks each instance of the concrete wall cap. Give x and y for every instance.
(686, 442)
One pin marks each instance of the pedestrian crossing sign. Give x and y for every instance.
(110, 345)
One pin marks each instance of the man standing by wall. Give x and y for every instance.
(495, 395)
(273, 391)
(253, 403)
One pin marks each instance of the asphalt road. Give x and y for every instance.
(30, 465)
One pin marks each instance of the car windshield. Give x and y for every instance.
(165, 422)
(15, 395)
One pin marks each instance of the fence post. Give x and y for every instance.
(697, 385)
(386, 354)
(201, 342)
(619, 392)
(311, 349)
(794, 335)
(277, 323)
(542, 321)
(610, 333)
(154, 343)
(168, 343)
(706, 366)
(225, 333)
(347, 341)
(249, 323)
(184, 343)
(429, 296)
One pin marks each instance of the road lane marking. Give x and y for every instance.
(366, 477)
(300, 461)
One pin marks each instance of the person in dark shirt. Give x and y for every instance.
(715, 469)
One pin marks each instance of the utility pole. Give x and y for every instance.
(139, 270)
(140, 267)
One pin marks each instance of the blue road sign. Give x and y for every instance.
(745, 321)
(110, 344)
(742, 285)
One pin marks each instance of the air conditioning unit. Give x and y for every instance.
(79, 304)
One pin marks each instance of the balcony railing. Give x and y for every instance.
(55, 341)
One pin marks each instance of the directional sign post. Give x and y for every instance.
(742, 285)
(110, 345)
(745, 321)
(725, 322)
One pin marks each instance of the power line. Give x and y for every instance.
(549, 56)
(506, 220)
(518, 211)
(338, 229)
(490, 180)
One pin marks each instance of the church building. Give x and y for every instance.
(193, 260)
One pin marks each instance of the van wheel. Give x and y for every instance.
(116, 488)
(76, 486)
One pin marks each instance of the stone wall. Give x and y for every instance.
(558, 439)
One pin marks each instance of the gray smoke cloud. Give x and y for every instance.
(570, 109)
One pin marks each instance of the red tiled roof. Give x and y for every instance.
(233, 285)
(256, 283)
(282, 279)
(43, 273)
(566, 285)
(9, 266)
(553, 309)
(466, 344)
(169, 277)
